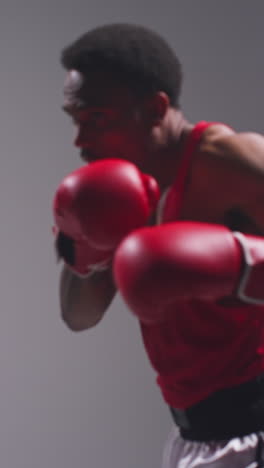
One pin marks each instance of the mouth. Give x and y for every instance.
(87, 155)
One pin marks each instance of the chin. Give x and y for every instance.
(88, 157)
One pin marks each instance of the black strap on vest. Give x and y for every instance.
(228, 413)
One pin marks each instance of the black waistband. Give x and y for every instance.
(228, 413)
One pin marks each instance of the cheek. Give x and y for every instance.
(123, 143)
(116, 140)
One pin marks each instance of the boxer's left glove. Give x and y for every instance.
(95, 207)
(156, 267)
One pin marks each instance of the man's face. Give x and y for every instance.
(108, 118)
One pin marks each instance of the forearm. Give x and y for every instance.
(84, 301)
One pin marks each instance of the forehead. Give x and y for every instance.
(95, 89)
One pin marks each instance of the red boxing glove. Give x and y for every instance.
(80, 257)
(97, 205)
(157, 266)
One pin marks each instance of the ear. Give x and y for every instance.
(156, 107)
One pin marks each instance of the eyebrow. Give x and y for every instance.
(69, 110)
(85, 109)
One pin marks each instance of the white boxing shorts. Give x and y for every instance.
(239, 452)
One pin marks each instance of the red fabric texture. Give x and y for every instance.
(203, 346)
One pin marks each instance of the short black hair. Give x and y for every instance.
(137, 56)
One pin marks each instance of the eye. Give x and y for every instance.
(99, 119)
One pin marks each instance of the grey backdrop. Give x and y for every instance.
(70, 400)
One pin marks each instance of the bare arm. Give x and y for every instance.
(233, 165)
(84, 301)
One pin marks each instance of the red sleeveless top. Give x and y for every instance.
(202, 347)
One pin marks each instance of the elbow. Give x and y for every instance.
(73, 326)
(77, 324)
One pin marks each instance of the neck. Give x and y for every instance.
(169, 156)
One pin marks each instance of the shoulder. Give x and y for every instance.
(229, 165)
(221, 144)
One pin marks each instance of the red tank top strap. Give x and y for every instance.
(174, 198)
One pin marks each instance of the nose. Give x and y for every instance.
(82, 138)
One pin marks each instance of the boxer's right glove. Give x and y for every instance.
(81, 258)
(95, 207)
